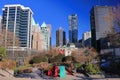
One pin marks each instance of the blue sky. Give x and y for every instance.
(55, 12)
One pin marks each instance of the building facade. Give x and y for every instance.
(50, 32)
(66, 49)
(17, 19)
(45, 30)
(60, 37)
(87, 39)
(73, 28)
(100, 27)
(37, 38)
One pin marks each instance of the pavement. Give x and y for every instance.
(36, 75)
(68, 77)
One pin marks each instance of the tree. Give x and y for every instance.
(52, 52)
(2, 52)
(114, 36)
(8, 39)
(83, 55)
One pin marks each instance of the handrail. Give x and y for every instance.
(7, 72)
(2, 75)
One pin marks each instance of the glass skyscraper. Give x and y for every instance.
(73, 28)
(17, 19)
(60, 37)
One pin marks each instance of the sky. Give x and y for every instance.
(55, 12)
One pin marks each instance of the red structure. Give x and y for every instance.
(54, 71)
(50, 72)
(61, 51)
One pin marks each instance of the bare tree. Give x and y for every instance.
(114, 36)
(6, 42)
(83, 55)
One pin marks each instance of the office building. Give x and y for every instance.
(87, 39)
(50, 32)
(45, 30)
(60, 37)
(37, 38)
(73, 28)
(100, 26)
(17, 19)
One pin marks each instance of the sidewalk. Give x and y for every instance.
(82, 77)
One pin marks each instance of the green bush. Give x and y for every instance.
(16, 70)
(2, 52)
(92, 69)
(77, 65)
(57, 58)
(38, 59)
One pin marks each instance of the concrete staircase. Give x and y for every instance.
(6, 73)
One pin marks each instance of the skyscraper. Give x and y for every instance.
(60, 37)
(100, 27)
(50, 32)
(37, 38)
(73, 28)
(46, 31)
(87, 39)
(17, 19)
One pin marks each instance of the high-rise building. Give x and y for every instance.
(60, 37)
(87, 35)
(50, 32)
(17, 19)
(73, 28)
(87, 39)
(46, 31)
(37, 38)
(100, 26)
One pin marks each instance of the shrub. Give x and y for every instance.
(2, 52)
(38, 59)
(42, 65)
(68, 59)
(7, 64)
(22, 69)
(27, 70)
(16, 71)
(57, 58)
(76, 65)
(49, 67)
(92, 69)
